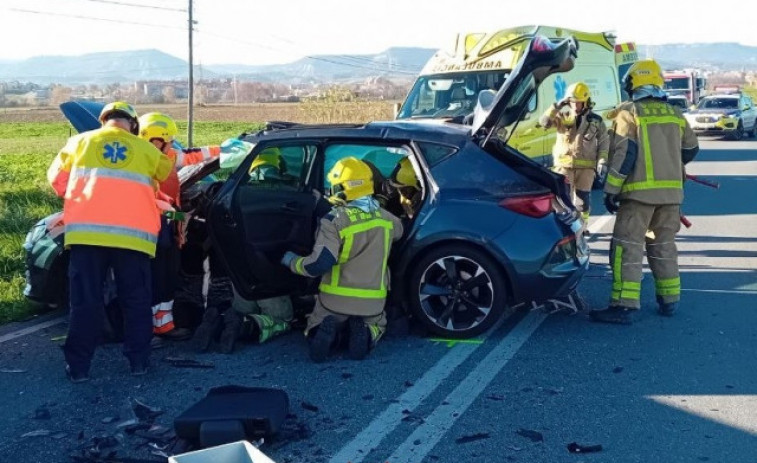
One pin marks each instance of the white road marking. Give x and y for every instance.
(722, 291)
(428, 434)
(599, 223)
(31, 329)
(370, 437)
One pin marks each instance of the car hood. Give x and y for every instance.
(542, 58)
(83, 115)
(713, 112)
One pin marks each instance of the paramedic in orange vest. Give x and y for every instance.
(107, 177)
(160, 130)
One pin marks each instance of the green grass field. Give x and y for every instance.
(26, 151)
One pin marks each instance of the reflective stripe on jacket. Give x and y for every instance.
(109, 177)
(657, 136)
(577, 146)
(361, 242)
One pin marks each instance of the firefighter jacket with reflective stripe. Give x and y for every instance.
(578, 145)
(181, 158)
(108, 178)
(650, 143)
(360, 241)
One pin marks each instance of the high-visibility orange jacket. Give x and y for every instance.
(107, 177)
(185, 157)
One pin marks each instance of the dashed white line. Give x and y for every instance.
(31, 329)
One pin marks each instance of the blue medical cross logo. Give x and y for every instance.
(115, 152)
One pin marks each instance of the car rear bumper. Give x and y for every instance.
(553, 269)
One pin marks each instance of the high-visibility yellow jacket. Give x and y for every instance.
(360, 242)
(578, 145)
(650, 143)
(108, 178)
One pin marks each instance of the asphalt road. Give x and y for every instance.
(682, 389)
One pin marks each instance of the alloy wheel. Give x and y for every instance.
(456, 293)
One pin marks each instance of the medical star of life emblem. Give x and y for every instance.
(115, 152)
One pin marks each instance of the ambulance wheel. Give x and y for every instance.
(457, 291)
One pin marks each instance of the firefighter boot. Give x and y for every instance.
(208, 330)
(666, 309)
(265, 327)
(232, 329)
(323, 338)
(613, 314)
(362, 338)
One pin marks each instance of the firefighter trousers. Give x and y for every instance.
(87, 271)
(581, 181)
(320, 312)
(630, 239)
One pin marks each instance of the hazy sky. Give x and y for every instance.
(278, 31)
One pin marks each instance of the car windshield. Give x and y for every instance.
(680, 102)
(676, 83)
(449, 95)
(719, 103)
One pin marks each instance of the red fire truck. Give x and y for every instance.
(689, 83)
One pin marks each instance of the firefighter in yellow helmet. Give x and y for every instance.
(408, 189)
(580, 150)
(161, 130)
(351, 250)
(268, 166)
(651, 143)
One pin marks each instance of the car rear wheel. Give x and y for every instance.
(457, 291)
(738, 134)
(751, 133)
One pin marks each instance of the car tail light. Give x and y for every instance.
(532, 206)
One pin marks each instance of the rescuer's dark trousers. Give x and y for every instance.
(87, 271)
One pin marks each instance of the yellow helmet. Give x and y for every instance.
(269, 157)
(157, 125)
(404, 175)
(124, 109)
(350, 179)
(578, 91)
(644, 72)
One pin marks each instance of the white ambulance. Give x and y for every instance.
(448, 86)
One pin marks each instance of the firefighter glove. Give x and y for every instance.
(611, 203)
(601, 170)
(289, 256)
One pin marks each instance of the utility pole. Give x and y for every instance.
(190, 100)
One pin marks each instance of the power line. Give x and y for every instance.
(113, 2)
(315, 58)
(93, 18)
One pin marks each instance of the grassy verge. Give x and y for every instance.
(26, 150)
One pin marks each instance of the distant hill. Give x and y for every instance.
(97, 68)
(396, 62)
(709, 56)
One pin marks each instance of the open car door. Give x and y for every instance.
(256, 217)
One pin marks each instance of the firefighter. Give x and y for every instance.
(229, 318)
(160, 130)
(268, 167)
(403, 185)
(580, 150)
(651, 143)
(351, 249)
(107, 177)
